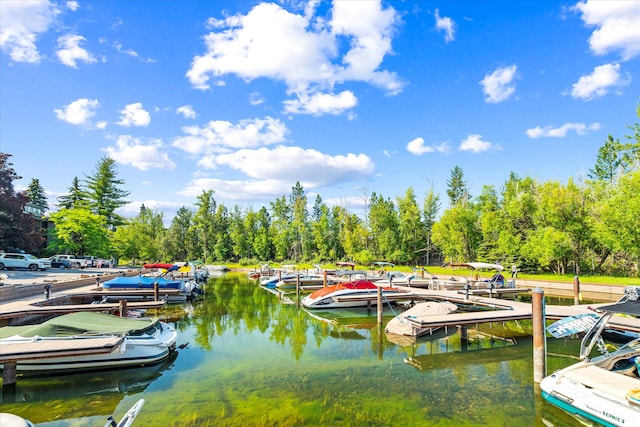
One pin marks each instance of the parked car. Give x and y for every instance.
(62, 263)
(77, 262)
(26, 261)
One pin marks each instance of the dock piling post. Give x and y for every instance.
(123, 308)
(379, 305)
(576, 290)
(466, 291)
(298, 284)
(324, 279)
(9, 374)
(539, 335)
(156, 290)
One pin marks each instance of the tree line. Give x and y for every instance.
(583, 225)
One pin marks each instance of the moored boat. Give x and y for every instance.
(352, 294)
(188, 287)
(402, 324)
(604, 388)
(144, 341)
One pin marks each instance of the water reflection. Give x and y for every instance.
(254, 358)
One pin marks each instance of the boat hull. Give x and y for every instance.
(138, 350)
(594, 401)
(360, 293)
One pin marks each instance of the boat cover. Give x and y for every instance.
(160, 265)
(80, 323)
(399, 326)
(628, 307)
(141, 282)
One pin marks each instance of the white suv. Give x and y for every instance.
(27, 261)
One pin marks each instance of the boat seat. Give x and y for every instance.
(611, 383)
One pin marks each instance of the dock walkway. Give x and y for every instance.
(503, 310)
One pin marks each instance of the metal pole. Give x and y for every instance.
(576, 290)
(539, 337)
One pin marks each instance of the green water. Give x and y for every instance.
(252, 358)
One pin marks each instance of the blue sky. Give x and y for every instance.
(346, 97)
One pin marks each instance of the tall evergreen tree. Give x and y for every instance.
(36, 195)
(457, 187)
(104, 192)
(75, 198)
(610, 162)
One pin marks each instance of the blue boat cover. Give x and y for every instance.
(141, 282)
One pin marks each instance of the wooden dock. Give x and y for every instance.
(32, 310)
(503, 310)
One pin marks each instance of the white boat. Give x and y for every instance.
(12, 420)
(144, 341)
(401, 278)
(359, 293)
(306, 281)
(402, 324)
(604, 388)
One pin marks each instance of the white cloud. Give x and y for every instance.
(418, 147)
(561, 132)
(475, 144)
(618, 26)
(268, 178)
(120, 49)
(20, 24)
(290, 164)
(255, 98)
(78, 112)
(220, 136)
(597, 84)
(73, 5)
(69, 51)
(237, 189)
(187, 111)
(445, 24)
(318, 104)
(301, 50)
(144, 156)
(499, 85)
(134, 115)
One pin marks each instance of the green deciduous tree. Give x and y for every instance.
(79, 231)
(204, 224)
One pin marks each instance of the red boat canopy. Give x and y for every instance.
(158, 265)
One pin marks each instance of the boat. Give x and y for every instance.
(158, 266)
(12, 420)
(402, 325)
(457, 282)
(358, 293)
(604, 388)
(401, 278)
(142, 341)
(306, 281)
(129, 417)
(189, 288)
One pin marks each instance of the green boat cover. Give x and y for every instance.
(81, 323)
